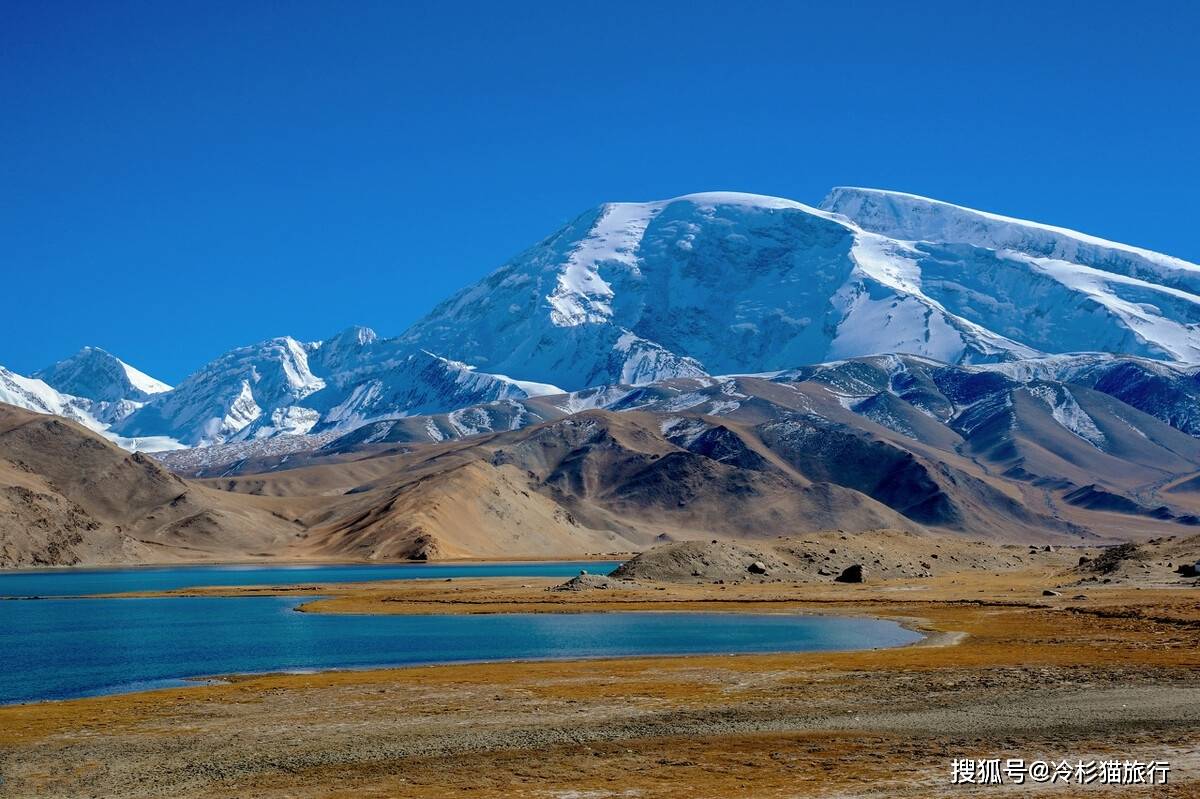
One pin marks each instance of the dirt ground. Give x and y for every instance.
(1005, 673)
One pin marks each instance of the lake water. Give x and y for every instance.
(81, 582)
(71, 647)
(64, 648)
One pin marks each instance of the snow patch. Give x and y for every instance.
(1066, 412)
(581, 296)
(142, 381)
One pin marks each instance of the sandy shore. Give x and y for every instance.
(1014, 674)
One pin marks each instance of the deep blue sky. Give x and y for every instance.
(177, 179)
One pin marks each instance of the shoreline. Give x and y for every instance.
(929, 638)
(311, 563)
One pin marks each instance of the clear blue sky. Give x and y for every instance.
(180, 178)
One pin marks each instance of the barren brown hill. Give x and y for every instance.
(833, 556)
(69, 497)
(1172, 560)
(596, 482)
(606, 482)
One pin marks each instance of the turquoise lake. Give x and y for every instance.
(74, 647)
(81, 582)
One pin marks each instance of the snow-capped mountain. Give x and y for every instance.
(960, 396)
(705, 284)
(97, 375)
(1050, 288)
(410, 384)
(727, 283)
(913, 218)
(241, 387)
(111, 388)
(285, 387)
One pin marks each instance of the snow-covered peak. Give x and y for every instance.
(353, 336)
(344, 348)
(914, 218)
(410, 384)
(717, 282)
(38, 396)
(228, 394)
(98, 375)
(763, 201)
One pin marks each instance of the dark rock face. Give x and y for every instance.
(851, 574)
(1170, 397)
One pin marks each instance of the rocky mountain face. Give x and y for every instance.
(906, 394)
(794, 456)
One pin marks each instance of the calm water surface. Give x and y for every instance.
(71, 646)
(63, 648)
(81, 582)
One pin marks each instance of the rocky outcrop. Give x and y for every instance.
(851, 574)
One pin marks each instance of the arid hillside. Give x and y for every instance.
(69, 497)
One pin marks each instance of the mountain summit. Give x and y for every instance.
(722, 282)
(95, 374)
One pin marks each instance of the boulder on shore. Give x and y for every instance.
(851, 574)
